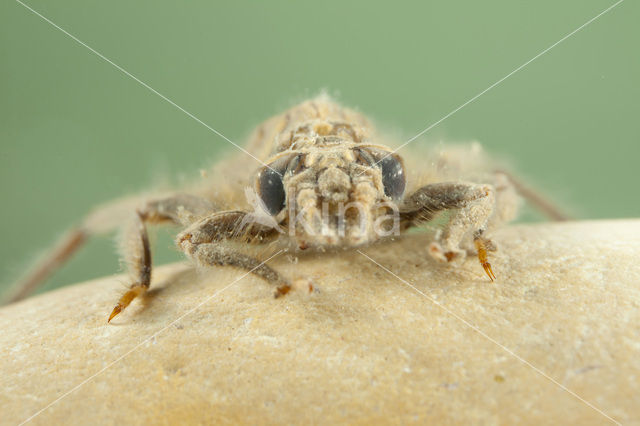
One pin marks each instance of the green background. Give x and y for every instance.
(75, 131)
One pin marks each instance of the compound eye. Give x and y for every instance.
(271, 190)
(393, 177)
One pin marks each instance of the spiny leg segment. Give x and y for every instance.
(471, 205)
(202, 242)
(481, 247)
(177, 209)
(140, 265)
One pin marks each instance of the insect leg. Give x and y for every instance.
(179, 209)
(535, 198)
(204, 242)
(471, 207)
(70, 242)
(138, 258)
(468, 162)
(103, 219)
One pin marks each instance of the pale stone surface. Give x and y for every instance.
(363, 347)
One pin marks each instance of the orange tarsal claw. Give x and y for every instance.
(487, 269)
(125, 300)
(116, 310)
(481, 247)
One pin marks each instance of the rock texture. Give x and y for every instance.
(363, 347)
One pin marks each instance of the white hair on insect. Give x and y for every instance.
(259, 213)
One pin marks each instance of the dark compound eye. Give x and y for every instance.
(392, 177)
(271, 190)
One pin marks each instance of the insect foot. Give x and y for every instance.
(453, 256)
(473, 206)
(126, 299)
(482, 245)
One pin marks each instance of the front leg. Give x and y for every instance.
(178, 209)
(471, 205)
(204, 242)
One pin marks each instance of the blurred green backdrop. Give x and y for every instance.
(75, 131)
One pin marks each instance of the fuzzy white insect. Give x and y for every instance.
(329, 182)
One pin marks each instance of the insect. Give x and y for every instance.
(326, 181)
